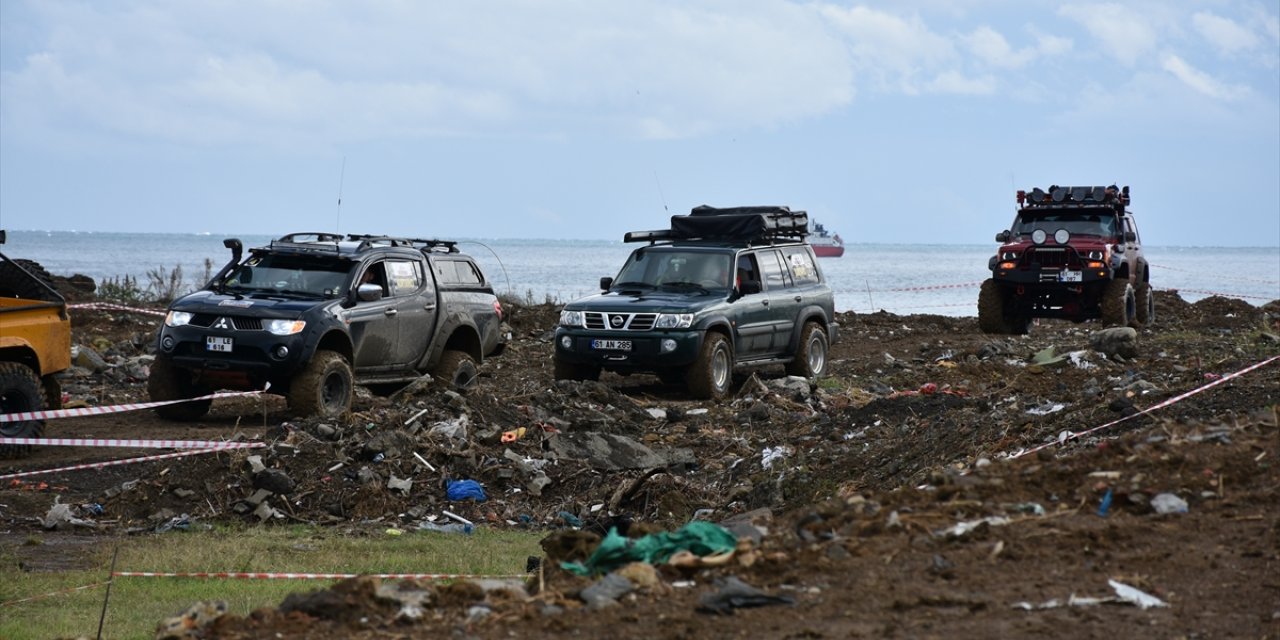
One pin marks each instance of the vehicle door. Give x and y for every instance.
(806, 290)
(372, 323)
(754, 318)
(413, 296)
(782, 303)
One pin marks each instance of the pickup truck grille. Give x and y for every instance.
(208, 320)
(620, 321)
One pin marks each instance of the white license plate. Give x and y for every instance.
(218, 343)
(611, 345)
(1069, 276)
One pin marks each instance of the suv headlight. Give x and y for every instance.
(284, 327)
(673, 321)
(177, 318)
(1096, 255)
(1008, 255)
(572, 319)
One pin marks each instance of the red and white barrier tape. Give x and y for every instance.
(118, 408)
(1073, 435)
(241, 575)
(1215, 293)
(113, 463)
(130, 444)
(1219, 277)
(107, 306)
(962, 285)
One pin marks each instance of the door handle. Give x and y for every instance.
(429, 307)
(764, 302)
(797, 298)
(389, 312)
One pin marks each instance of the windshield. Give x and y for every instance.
(648, 268)
(295, 275)
(1076, 223)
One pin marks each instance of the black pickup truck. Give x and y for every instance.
(310, 315)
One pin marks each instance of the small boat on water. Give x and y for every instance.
(825, 243)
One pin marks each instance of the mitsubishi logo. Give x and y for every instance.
(221, 323)
(616, 321)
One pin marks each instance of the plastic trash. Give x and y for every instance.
(570, 519)
(1106, 504)
(733, 593)
(449, 527)
(1168, 503)
(465, 490)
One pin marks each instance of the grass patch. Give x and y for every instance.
(138, 604)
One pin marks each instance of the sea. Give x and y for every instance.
(898, 278)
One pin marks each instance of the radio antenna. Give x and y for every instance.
(337, 222)
(661, 195)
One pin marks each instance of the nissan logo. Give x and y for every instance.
(616, 321)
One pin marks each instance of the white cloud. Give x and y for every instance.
(1123, 32)
(1224, 34)
(991, 47)
(956, 83)
(892, 51)
(285, 71)
(1201, 81)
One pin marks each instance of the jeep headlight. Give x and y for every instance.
(284, 327)
(572, 319)
(178, 319)
(1096, 255)
(673, 321)
(1008, 255)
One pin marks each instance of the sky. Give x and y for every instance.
(889, 122)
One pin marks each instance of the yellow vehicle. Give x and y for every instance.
(35, 345)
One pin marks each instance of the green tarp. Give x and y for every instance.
(698, 537)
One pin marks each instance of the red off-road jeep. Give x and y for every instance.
(1073, 253)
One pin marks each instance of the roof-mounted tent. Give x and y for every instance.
(750, 225)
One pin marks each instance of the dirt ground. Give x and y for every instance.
(886, 499)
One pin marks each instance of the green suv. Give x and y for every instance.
(722, 289)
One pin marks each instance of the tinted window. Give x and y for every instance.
(774, 274)
(457, 272)
(802, 268)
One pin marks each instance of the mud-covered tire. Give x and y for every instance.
(1146, 304)
(993, 317)
(711, 375)
(20, 391)
(571, 371)
(16, 280)
(166, 382)
(1119, 304)
(456, 370)
(324, 388)
(811, 356)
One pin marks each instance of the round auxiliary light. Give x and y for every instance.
(1038, 236)
(1061, 236)
(282, 352)
(566, 343)
(668, 345)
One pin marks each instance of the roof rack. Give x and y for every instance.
(750, 225)
(425, 244)
(1075, 197)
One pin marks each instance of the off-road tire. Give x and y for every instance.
(456, 370)
(711, 375)
(571, 371)
(1119, 305)
(14, 283)
(169, 382)
(992, 316)
(811, 356)
(20, 391)
(323, 388)
(1146, 303)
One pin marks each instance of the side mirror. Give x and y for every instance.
(1003, 236)
(605, 283)
(1130, 236)
(749, 287)
(368, 292)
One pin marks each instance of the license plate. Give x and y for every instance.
(218, 343)
(611, 345)
(1069, 276)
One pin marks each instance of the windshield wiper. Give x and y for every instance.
(633, 284)
(686, 285)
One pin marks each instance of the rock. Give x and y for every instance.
(255, 464)
(606, 591)
(191, 623)
(402, 485)
(614, 452)
(1116, 341)
(795, 386)
(391, 444)
(88, 358)
(274, 480)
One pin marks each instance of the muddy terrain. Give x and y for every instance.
(939, 483)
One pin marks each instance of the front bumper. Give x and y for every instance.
(647, 352)
(255, 356)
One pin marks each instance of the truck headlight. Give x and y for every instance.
(673, 321)
(571, 319)
(284, 327)
(1008, 255)
(177, 319)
